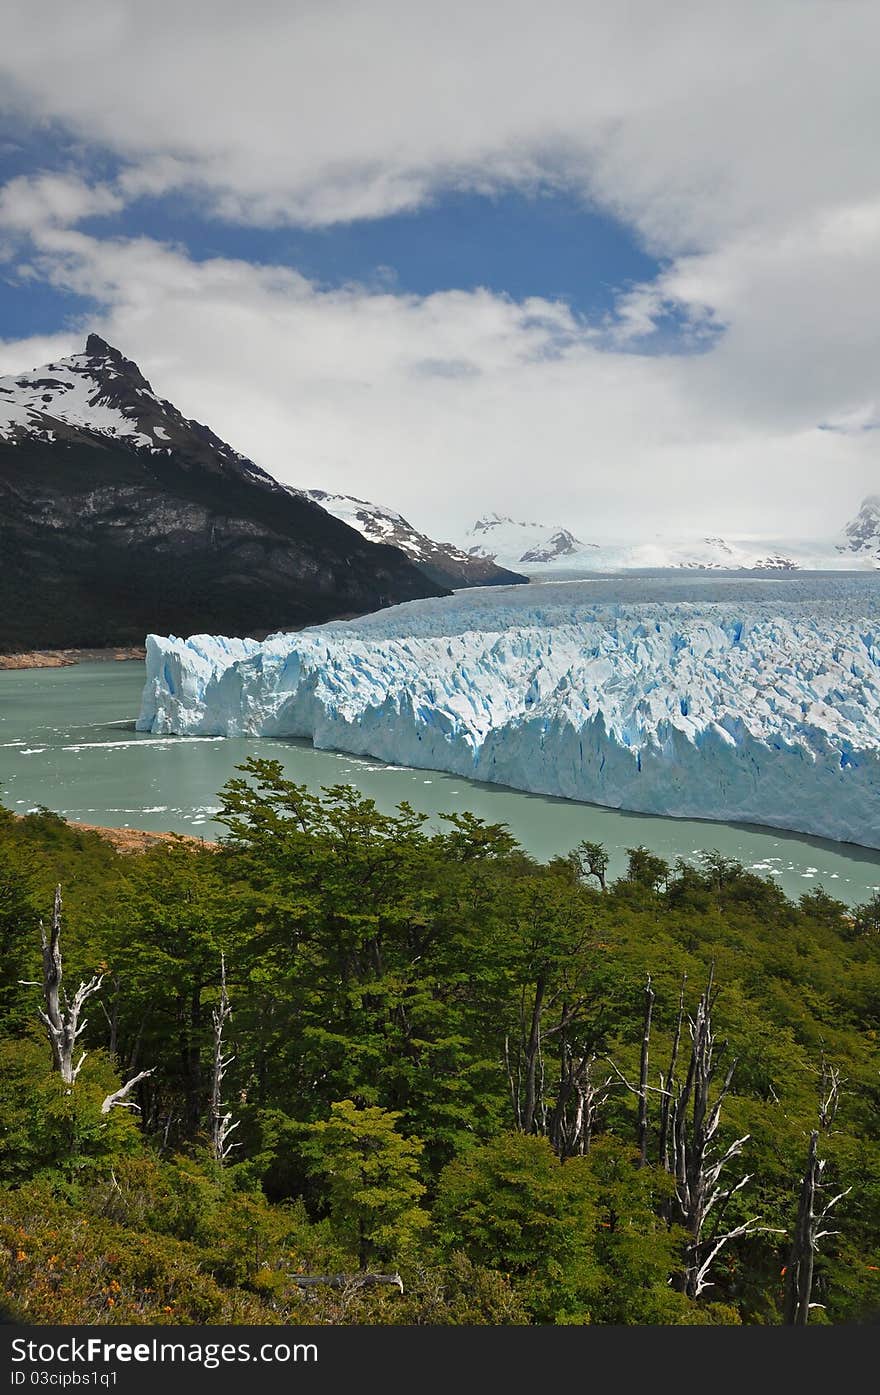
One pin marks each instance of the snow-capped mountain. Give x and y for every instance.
(726, 698)
(119, 515)
(100, 393)
(444, 563)
(497, 537)
(542, 549)
(862, 534)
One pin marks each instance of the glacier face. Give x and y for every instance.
(745, 700)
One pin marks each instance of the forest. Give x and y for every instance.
(341, 1068)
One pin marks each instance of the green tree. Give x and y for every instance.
(635, 1250)
(367, 949)
(647, 870)
(510, 1205)
(371, 1176)
(866, 917)
(591, 860)
(19, 942)
(47, 1127)
(162, 937)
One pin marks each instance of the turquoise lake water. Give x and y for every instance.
(67, 741)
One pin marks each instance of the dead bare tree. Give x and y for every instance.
(347, 1281)
(807, 1234)
(578, 1097)
(61, 1015)
(831, 1083)
(643, 1074)
(525, 1068)
(112, 1018)
(697, 1161)
(666, 1083)
(222, 1124)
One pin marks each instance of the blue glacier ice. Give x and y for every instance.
(737, 699)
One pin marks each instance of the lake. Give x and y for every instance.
(67, 741)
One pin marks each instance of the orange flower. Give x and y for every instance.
(111, 1302)
(20, 1254)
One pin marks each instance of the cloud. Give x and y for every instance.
(449, 405)
(738, 141)
(689, 118)
(19, 354)
(31, 202)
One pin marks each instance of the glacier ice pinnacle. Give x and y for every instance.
(743, 700)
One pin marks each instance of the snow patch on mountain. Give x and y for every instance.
(100, 393)
(380, 524)
(753, 700)
(541, 549)
(862, 534)
(443, 562)
(73, 391)
(498, 537)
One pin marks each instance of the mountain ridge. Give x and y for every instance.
(119, 516)
(550, 548)
(443, 563)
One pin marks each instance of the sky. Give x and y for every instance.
(615, 267)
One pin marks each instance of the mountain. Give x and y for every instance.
(443, 563)
(862, 534)
(541, 549)
(119, 515)
(495, 536)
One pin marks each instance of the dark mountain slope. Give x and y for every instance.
(119, 516)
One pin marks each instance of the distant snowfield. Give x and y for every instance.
(732, 698)
(541, 550)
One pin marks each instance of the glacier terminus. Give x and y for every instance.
(728, 698)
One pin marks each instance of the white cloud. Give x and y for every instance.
(31, 202)
(19, 354)
(449, 405)
(738, 140)
(692, 118)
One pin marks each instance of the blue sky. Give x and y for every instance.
(616, 267)
(519, 245)
(549, 243)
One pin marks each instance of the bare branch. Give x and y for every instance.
(221, 1119)
(691, 1154)
(643, 1075)
(347, 1281)
(60, 1015)
(807, 1234)
(118, 1096)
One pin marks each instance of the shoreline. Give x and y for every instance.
(64, 658)
(137, 840)
(134, 840)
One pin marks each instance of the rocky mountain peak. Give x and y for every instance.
(862, 533)
(105, 357)
(96, 347)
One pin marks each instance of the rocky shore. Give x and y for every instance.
(61, 658)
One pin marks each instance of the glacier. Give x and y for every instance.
(729, 699)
